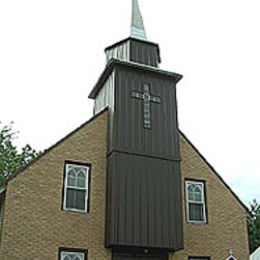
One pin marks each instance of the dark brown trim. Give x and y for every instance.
(212, 169)
(137, 153)
(2, 206)
(140, 252)
(67, 249)
(199, 257)
(134, 248)
(133, 39)
(63, 186)
(54, 146)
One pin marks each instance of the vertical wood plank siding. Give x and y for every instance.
(144, 207)
(144, 202)
(133, 50)
(143, 53)
(129, 132)
(120, 52)
(106, 95)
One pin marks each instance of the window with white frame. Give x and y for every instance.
(76, 187)
(231, 256)
(195, 202)
(67, 255)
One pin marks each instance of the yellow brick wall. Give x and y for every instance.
(35, 226)
(226, 228)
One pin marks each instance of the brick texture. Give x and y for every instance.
(35, 226)
(226, 228)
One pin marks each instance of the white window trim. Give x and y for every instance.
(63, 254)
(231, 257)
(67, 164)
(187, 183)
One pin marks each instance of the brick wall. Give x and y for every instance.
(226, 228)
(34, 224)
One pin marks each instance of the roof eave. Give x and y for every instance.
(216, 173)
(114, 62)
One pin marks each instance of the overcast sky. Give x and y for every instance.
(52, 53)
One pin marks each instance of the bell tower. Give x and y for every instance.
(144, 204)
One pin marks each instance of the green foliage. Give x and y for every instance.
(254, 226)
(10, 159)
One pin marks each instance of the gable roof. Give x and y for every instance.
(23, 168)
(3, 183)
(215, 172)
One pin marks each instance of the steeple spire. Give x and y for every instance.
(136, 48)
(137, 25)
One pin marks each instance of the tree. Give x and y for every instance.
(10, 159)
(254, 226)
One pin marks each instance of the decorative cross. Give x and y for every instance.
(147, 98)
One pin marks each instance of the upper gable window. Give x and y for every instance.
(195, 201)
(76, 187)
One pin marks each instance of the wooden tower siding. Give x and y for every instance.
(144, 206)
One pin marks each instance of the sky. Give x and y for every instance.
(52, 53)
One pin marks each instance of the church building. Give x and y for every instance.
(127, 184)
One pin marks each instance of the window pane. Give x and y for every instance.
(197, 196)
(195, 192)
(190, 191)
(71, 178)
(198, 188)
(71, 198)
(75, 199)
(80, 202)
(81, 180)
(66, 255)
(196, 212)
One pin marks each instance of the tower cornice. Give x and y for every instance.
(117, 63)
(133, 39)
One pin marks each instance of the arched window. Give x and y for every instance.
(195, 201)
(71, 178)
(231, 256)
(68, 255)
(76, 188)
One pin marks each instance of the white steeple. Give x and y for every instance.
(137, 25)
